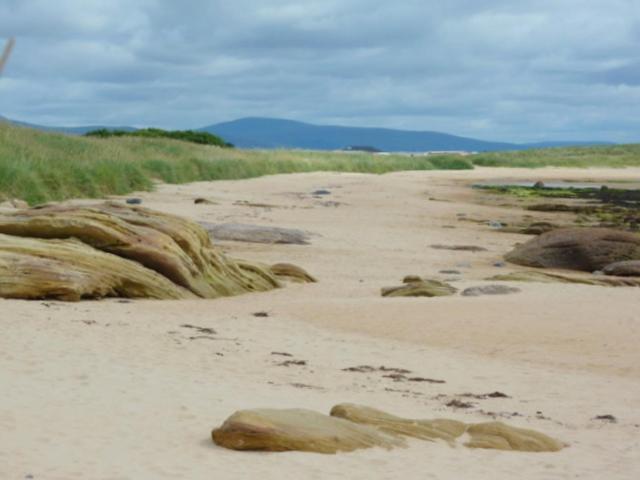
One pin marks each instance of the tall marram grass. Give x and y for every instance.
(37, 166)
(582, 157)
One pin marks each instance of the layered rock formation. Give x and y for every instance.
(71, 252)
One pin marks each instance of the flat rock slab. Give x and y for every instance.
(297, 429)
(489, 290)
(585, 249)
(352, 427)
(240, 232)
(546, 277)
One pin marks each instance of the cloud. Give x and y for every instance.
(503, 70)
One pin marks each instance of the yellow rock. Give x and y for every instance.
(292, 273)
(70, 270)
(178, 250)
(442, 429)
(296, 429)
(499, 436)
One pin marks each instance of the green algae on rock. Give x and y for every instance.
(70, 270)
(415, 286)
(546, 277)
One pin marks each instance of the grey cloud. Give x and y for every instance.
(504, 70)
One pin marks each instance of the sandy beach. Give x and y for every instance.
(121, 389)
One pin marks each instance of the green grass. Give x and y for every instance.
(38, 167)
(599, 156)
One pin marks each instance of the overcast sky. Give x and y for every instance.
(494, 69)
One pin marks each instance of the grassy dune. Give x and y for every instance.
(37, 166)
(582, 157)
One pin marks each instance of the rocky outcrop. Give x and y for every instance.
(240, 232)
(415, 286)
(297, 429)
(351, 427)
(630, 268)
(70, 270)
(152, 254)
(586, 249)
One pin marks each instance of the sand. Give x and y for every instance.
(122, 390)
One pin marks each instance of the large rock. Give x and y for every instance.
(351, 427)
(493, 435)
(174, 248)
(586, 249)
(240, 232)
(630, 268)
(70, 270)
(296, 429)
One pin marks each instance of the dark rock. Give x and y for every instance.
(256, 233)
(538, 184)
(450, 272)
(489, 290)
(134, 201)
(538, 228)
(321, 192)
(585, 249)
(629, 268)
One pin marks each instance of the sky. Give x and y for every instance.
(521, 71)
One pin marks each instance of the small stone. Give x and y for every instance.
(500, 264)
(538, 184)
(495, 224)
(321, 192)
(489, 290)
(133, 201)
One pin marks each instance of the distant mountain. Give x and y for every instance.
(255, 132)
(278, 133)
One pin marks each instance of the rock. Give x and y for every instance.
(500, 436)
(493, 435)
(629, 268)
(133, 201)
(450, 272)
(352, 427)
(321, 192)
(411, 279)
(256, 233)
(585, 249)
(499, 264)
(538, 184)
(489, 290)
(296, 429)
(545, 277)
(495, 224)
(462, 248)
(443, 429)
(292, 273)
(171, 246)
(421, 288)
(70, 270)
(204, 201)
